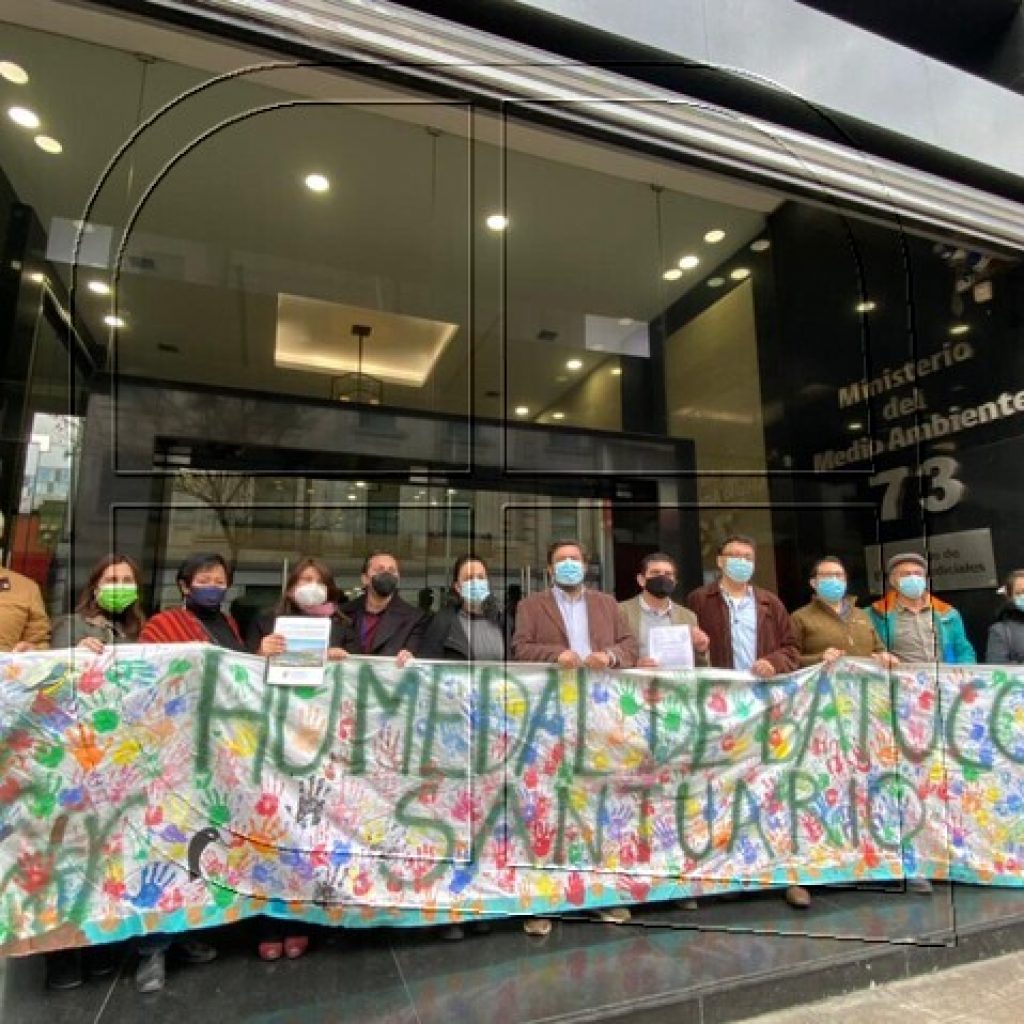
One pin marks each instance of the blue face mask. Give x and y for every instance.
(569, 572)
(1019, 602)
(912, 587)
(831, 589)
(475, 591)
(739, 570)
(207, 597)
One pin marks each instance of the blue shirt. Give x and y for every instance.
(743, 629)
(574, 615)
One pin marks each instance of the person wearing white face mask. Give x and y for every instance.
(749, 627)
(1006, 635)
(469, 626)
(309, 590)
(915, 625)
(831, 626)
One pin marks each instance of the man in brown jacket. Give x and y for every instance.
(574, 628)
(749, 627)
(570, 625)
(750, 630)
(24, 624)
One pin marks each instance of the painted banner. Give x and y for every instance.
(164, 788)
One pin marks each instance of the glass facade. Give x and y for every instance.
(279, 308)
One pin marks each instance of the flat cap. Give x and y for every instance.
(907, 556)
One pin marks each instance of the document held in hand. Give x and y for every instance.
(306, 638)
(671, 646)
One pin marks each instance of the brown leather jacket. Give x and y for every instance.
(776, 640)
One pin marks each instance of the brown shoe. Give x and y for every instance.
(539, 927)
(798, 897)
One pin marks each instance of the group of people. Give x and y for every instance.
(733, 624)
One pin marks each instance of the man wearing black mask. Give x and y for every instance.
(653, 607)
(385, 624)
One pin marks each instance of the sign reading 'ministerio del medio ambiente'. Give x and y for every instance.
(158, 789)
(927, 426)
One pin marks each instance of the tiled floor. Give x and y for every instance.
(668, 957)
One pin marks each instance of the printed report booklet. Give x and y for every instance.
(307, 638)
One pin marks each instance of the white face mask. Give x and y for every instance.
(309, 595)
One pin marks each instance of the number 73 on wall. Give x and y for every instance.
(941, 490)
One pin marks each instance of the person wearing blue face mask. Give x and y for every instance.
(1006, 635)
(573, 627)
(749, 627)
(570, 625)
(915, 625)
(470, 625)
(831, 626)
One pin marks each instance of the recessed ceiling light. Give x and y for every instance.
(433, 503)
(574, 364)
(672, 274)
(616, 371)
(522, 410)
(716, 282)
(318, 182)
(49, 145)
(24, 117)
(14, 73)
(113, 321)
(959, 329)
(626, 321)
(360, 483)
(689, 262)
(497, 222)
(38, 277)
(855, 425)
(714, 236)
(760, 245)
(867, 306)
(451, 490)
(558, 415)
(99, 287)
(351, 497)
(740, 273)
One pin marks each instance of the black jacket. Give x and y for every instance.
(400, 629)
(446, 639)
(342, 630)
(1006, 638)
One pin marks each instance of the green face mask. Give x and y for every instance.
(115, 597)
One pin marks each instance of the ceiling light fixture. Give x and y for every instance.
(740, 274)
(99, 287)
(522, 410)
(358, 386)
(626, 321)
(351, 497)
(318, 182)
(714, 236)
(14, 73)
(689, 262)
(360, 483)
(497, 222)
(24, 117)
(558, 415)
(760, 245)
(113, 321)
(37, 277)
(616, 371)
(574, 364)
(867, 306)
(958, 329)
(48, 144)
(672, 274)
(716, 282)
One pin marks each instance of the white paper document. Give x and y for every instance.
(307, 638)
(671, 646)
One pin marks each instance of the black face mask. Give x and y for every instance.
(384, 584)
(660, 586)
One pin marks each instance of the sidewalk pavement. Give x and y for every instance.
(988, 992)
